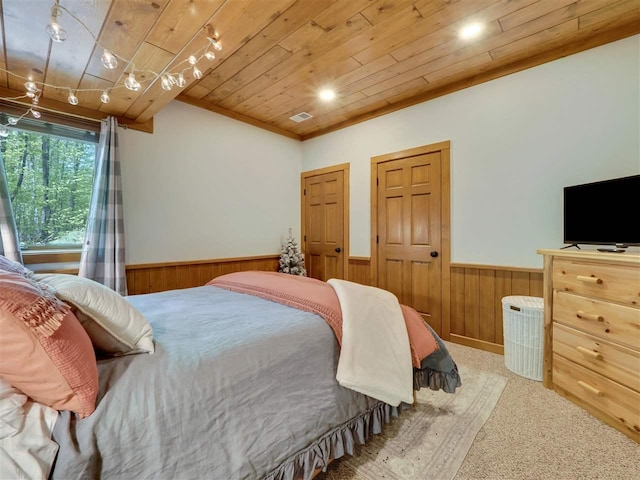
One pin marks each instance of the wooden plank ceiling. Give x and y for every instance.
(378, 55)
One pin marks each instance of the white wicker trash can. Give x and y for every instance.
(523, 327)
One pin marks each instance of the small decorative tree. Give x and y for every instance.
(291, 259)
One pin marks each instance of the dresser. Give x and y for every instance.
(592, 333)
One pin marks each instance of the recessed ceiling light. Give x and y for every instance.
(471, 30)
(327, 94)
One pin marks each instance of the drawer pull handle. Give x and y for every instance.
(590, 388)
(589, 353)
(589, 316)
(584, 278)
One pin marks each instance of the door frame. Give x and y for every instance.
(342, 167)
(445, 220)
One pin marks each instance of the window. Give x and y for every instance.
(50, 174)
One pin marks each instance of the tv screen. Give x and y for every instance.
(603, 213)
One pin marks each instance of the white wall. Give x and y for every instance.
(205, 186)
(515, 143)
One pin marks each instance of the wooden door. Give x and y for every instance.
(324, 225)
(409, 233)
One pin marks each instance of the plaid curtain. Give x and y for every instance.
(103, 250)
(9, 246)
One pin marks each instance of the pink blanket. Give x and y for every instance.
(319, 297)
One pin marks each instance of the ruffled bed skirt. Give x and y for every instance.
(343, 439)
(436, 380)
(335, 444)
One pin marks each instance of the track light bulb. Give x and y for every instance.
(165, 83)
(109, 60)
(55, 31)
(72, 99)
(209, 55)
(215, 43)
(197, 73)
(105, 98)
(131, 83)
(181, 82)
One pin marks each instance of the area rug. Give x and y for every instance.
(429, 441)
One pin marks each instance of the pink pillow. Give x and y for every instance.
(44, 351)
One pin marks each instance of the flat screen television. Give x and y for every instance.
(603, 213)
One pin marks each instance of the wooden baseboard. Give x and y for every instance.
(475, 343)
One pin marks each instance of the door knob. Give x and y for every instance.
(338, 249)
(434, 254)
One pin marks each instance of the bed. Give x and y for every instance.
(239, 387)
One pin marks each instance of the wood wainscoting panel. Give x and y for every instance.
(359, 270)
(476, 301)
(158, 277)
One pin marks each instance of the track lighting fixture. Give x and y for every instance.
(72, 99)
(109, 60)
(31, 87)
(165, 83)
(215, 43)
(55, 31)
(131, 83)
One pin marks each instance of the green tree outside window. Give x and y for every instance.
(50, 180)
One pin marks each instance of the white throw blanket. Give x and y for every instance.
(375, 358)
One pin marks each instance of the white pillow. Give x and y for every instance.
(112, 323)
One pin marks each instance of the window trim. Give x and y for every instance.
(53, 261)
(15, 110)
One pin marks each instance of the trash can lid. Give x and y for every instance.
(523, 301)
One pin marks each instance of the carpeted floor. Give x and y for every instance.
(432, 436)
(534, 433)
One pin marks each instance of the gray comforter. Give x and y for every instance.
(237, 386)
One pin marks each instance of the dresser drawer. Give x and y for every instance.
(613, 361)
(620, 404)
(606, 320)
(620, 283)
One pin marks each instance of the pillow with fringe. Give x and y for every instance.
(45, 351)
(15, 267)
